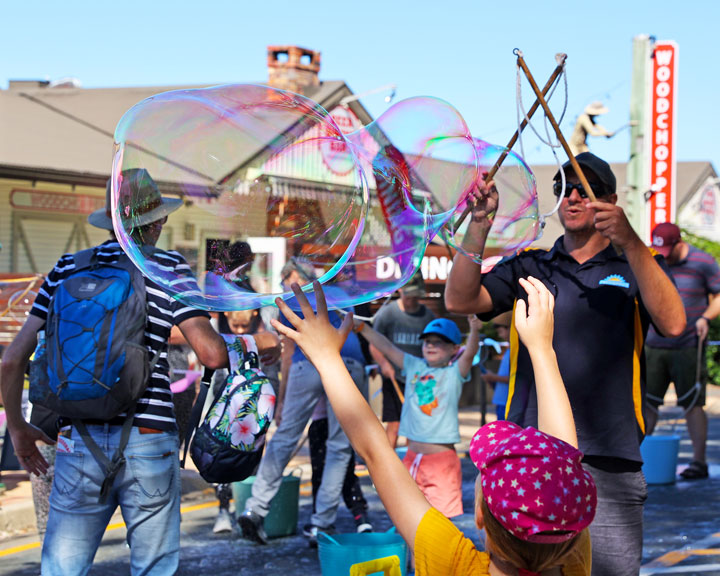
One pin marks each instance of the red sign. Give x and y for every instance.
(335, 152)
(55, 201)
(663, 101)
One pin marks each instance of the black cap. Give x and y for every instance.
(598, 166)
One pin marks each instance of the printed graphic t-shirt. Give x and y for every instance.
(430, 411)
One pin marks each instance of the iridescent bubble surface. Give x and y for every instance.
(516, 223)
(242, 179)
(420, 160)
(248, 162)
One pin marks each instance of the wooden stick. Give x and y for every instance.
(24, 292)
(554, 124)
(397, 389)
(558, 70)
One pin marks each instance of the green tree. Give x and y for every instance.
(713, 352)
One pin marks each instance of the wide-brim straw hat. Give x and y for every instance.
(596, 108)
(140, 202)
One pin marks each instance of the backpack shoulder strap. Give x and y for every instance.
(84, 258)
(197, 410)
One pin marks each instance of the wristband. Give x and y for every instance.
(706, 319)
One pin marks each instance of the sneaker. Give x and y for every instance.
(251, 526)
(223, 523)
(311, 532)
(362, 525)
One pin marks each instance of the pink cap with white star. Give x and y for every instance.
(533, 483)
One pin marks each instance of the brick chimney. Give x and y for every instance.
(292, 68)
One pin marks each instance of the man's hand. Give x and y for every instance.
(484, 201)
(702, 327)
(277, 414)
(314, 333)
(535, 326)
(611, 222)
(24, 436)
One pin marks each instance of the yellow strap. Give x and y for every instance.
(390, 566)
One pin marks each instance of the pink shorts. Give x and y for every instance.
(439, 477)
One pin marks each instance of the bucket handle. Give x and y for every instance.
(292, 472)
(328, 537)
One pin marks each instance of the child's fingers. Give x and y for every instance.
(282, 329)
(533, 297)
(293, 318)
(520, 313)
(543, 293)
(302, 301)
(320, 302)
(347, 324)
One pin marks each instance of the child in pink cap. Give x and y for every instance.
(533, 497)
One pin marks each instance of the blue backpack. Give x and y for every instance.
(95, 363)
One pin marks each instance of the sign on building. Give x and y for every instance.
(662, 136)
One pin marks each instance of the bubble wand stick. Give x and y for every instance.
(554, 124)
(553, 77)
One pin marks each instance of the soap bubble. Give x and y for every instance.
(354, 207)
(240, 162)
(421, 161)
(516, 223)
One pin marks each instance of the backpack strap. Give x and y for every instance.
(84, 258)
(111, 467)
(197, 410)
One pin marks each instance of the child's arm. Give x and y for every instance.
(383, 345)
(535, 328)
(321, 343)
(465, 361)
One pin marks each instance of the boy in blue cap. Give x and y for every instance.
(429, 416)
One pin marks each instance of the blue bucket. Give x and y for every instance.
(660, 456)
(340, 551)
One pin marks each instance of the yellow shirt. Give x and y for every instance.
(441, 549)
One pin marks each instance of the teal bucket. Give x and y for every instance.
(340, 551)
(282, 518)
(660, 456)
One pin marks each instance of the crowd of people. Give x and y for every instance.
(559, 489)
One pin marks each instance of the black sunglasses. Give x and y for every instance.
(597, 188)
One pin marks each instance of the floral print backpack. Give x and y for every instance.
(228, 445)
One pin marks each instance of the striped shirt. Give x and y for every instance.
(696, 276)
(155, 407)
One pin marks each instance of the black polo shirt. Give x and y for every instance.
(600, 328)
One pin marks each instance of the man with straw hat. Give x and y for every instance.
(147, 483)
(604, 302)
(682, 360)
(586, 126)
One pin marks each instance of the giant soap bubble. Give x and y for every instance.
(247, 162)
(420, 160)
(253, 162)
(272, 169)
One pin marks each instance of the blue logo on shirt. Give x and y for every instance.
(614, 280)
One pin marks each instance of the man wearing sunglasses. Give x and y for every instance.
(608, 288)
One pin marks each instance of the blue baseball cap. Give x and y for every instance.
(446, 329)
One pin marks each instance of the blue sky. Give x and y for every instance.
(457, 50)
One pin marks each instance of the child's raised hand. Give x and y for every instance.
(475, 323)
(535, 321)
(314, 333)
